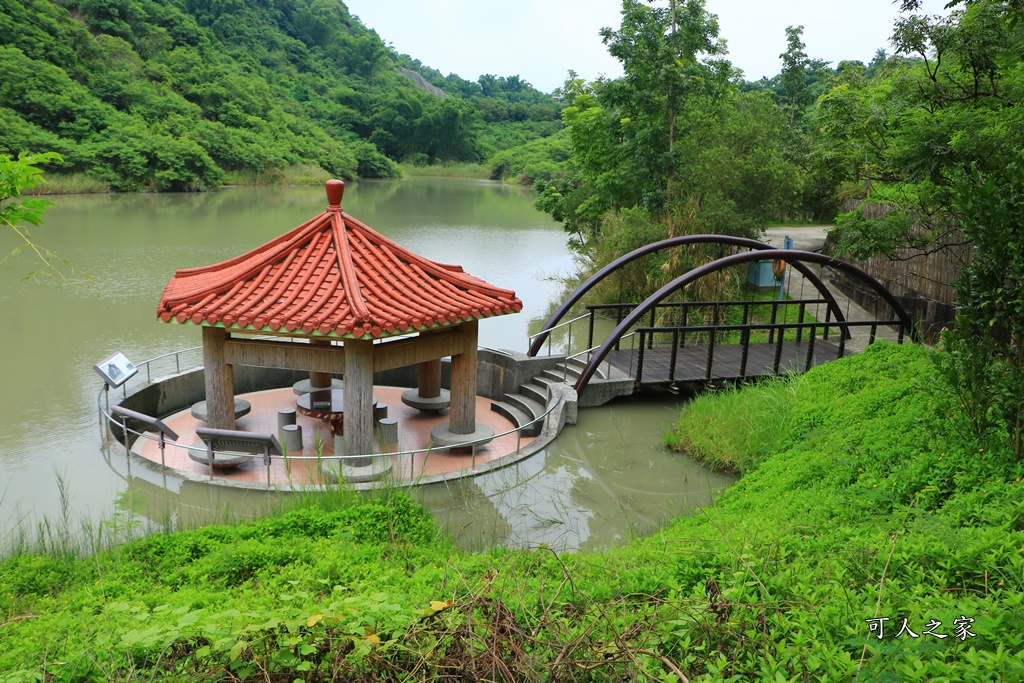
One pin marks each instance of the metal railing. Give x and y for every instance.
(775, 333)
(608, 360)
(396, 456)
(682, 311)
(568, 344)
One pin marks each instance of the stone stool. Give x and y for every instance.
(387, 434)
(285, 416)
(380, 411)
(291, 437)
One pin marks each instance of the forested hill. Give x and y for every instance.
(180, 94)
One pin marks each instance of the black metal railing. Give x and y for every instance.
(680, 313)
(775, 333)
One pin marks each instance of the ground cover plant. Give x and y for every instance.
(860, 509)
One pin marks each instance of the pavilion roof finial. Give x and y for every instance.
(335, 191)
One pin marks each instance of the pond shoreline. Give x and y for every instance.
(57, 184)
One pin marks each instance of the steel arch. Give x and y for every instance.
(788, 255)
(654, 247)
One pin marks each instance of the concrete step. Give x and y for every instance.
(556, 376)
(576, 363)
(569, 375)
(534, 408)
(570, 369)
(517, 415)
(546, 382)
(538, 392)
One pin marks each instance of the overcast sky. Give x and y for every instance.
(540, 40)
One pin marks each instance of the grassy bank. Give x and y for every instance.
(860, 504)
(448, 170)
(70, 183)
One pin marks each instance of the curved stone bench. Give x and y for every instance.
(221, 461)
(200, 412)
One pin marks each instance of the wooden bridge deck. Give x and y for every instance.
(691, 361)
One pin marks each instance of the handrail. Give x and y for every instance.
(552, 329)
(548, 332)
(109, 417)
(758, 326)
(679, 341)
(796, 258)
(565, 367)
(594, 348)
(683, 304)
(721, 240)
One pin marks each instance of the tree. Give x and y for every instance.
(794, 66)
(798, 73)
(944, 132)
(672, 136)
(16, 176)
(669, 60)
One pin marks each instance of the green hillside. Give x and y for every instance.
(183, 94)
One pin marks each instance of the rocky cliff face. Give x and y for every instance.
(422, 82)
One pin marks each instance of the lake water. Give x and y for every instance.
(602, 481)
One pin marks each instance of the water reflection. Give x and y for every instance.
(602, 482)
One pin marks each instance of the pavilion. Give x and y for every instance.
(333, 279)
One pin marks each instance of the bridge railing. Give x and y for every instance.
(717, 314)
(585, 355)
(774, 331)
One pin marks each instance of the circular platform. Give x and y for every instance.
(416, 459)
(375, 471)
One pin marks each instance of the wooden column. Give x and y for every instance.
(321, 380)
(429, 372)
(462, 414)
(358, 399)
(220, 380)
(429, 383)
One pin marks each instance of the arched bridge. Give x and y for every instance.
(697, 341)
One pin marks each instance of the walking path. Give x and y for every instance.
(812, 238)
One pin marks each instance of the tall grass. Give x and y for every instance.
(70, 537)
(297, 174)
(732, 430)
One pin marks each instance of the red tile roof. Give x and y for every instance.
(332, 275)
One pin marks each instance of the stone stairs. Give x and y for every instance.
(531, 401)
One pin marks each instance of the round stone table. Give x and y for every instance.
(200, 412)
(331, 410)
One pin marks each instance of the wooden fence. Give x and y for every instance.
(921, 280)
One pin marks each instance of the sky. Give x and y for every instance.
(541, 40)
